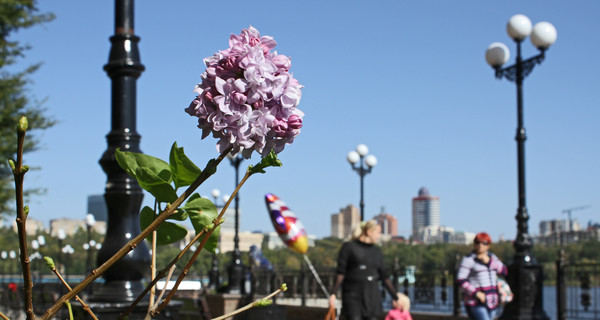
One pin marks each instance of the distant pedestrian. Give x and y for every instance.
(400, 310)
(360, 269)
(477, 275)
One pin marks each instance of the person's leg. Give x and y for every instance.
(492, 313)
(353, 317)
(479, 313)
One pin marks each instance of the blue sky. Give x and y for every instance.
(406, 78)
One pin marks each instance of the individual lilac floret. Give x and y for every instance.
(248, 98)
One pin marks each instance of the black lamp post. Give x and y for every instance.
(236, 269)
(524, 274)
(61, 235)
(4, 256)
(360, 156)
(67, 250)
(12, 254)
(214, 274)
(123, 195)
(89, 224)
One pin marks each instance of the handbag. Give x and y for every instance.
(330, 314)
(504, 291)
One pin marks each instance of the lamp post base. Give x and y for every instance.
(525, 281)
(236, 278)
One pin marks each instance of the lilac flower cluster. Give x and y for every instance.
(248, 97)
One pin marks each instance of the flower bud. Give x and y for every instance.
(23, 124)
(11, 163)
(24, 169)
(50, 263)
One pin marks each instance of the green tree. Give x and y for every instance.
(15, 100)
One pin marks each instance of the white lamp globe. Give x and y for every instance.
(12, 254)
(518, 27)
(215, 193)
(362, 150)
(353, 157)
(90, 220)
(4, 255)
(41, 240)
(371, 161)
(62, 234)
(497, 54)
(543, 35)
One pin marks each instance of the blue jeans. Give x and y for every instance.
(480, 312)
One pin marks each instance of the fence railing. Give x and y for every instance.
(577, 290)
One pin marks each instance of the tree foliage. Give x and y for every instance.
(15, 100)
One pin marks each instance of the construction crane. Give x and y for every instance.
(568, 211)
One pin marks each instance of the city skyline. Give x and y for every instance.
(407, 79)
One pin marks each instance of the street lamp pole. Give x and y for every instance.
(524, 275)
(236, 269)
(360, 156)
(89, 223)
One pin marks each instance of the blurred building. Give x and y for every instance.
(389, 224)
(33, 227)
(343, 221)
(70, 226)
(425, 213)
(247, 239)
(556, 232)
(97, 206)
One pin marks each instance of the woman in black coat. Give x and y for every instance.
(359, 270)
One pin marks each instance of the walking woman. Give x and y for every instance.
(359, 270)
(477, 275)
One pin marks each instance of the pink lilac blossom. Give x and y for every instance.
(248, 98)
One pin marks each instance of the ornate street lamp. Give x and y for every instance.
(213, 274)
(12, 254)
(90, 221)
(67, 250)
(236, 269)
(360, 156)
(524, 274)
(4, 256)
(61, 236)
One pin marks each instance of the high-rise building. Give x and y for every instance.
(97, 206)
(343, 222)
(389, 224)
(425, 213)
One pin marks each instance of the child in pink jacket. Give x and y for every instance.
(400, 309)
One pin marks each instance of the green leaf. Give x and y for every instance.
(202, 212)
(269, 161)
(163, 191)
(166, 233)
(184, 171)
(153, 174)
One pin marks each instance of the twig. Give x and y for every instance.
(86, 307)
(19, 173)
(167, 279)
(187, 267)
(208, 171)
(161, 274)
(3, 316)
(258, 303)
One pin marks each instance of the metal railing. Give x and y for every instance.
(577, 290)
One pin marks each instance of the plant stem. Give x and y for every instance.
(21, 220)
(161, 274)
(250, 305)
(187, 267)
(83, 304)
(208, 171)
